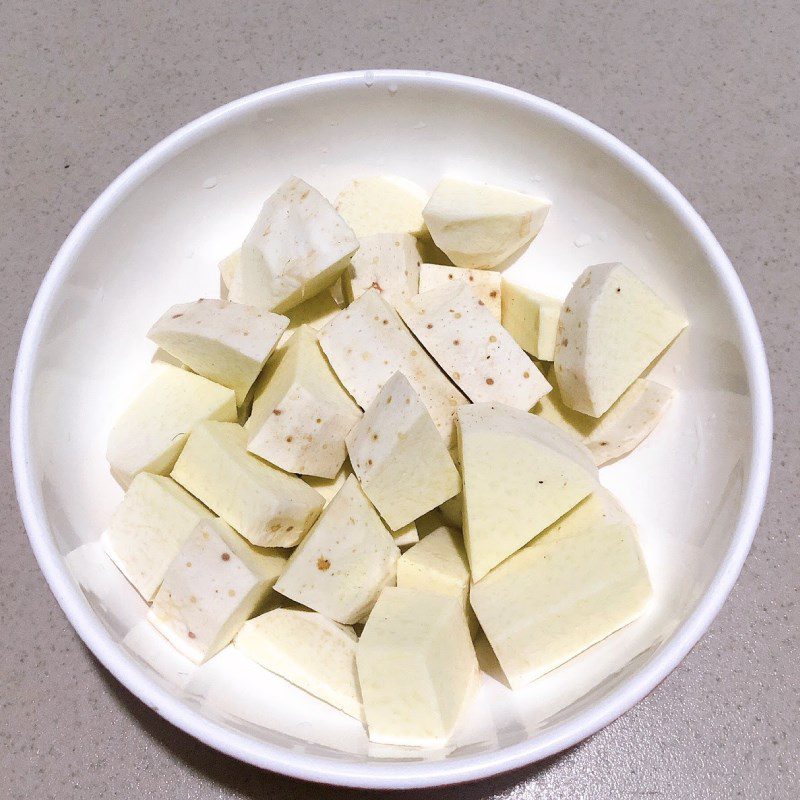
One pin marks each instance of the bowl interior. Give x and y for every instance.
(159, 244)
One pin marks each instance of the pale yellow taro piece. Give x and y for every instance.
(577, 583)
(301, 414)
(481, 226)
(225, 342)
(228, 266)
(399, 456)
(268, 506)
(452, 510)
(473, 348)
(438, 563)
(151, 433)
(416, 666)
(520, 474)
(531, 318)
(611, 329)
(328, 487)
(430, 253)
(485, 284)
(383, 204)
(386, 262)
(621, 429)
(549, 317)
(367, 342)
(215, 583)
(154, 519)
(315, 311)
(406, 535)
(308, 650)
(345, 560)
(298, 246)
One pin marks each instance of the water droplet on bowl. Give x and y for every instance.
(392, 88)
(369, 77)
(537, 178)
(582, 240)
(602, 236)
(209, 183)
(419, 126)
(648, 235)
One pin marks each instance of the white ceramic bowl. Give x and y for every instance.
(696, 487)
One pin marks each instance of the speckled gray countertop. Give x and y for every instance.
(707, 92)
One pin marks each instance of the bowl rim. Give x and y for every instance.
(387, 774)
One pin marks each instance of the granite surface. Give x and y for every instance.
(707, 92)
